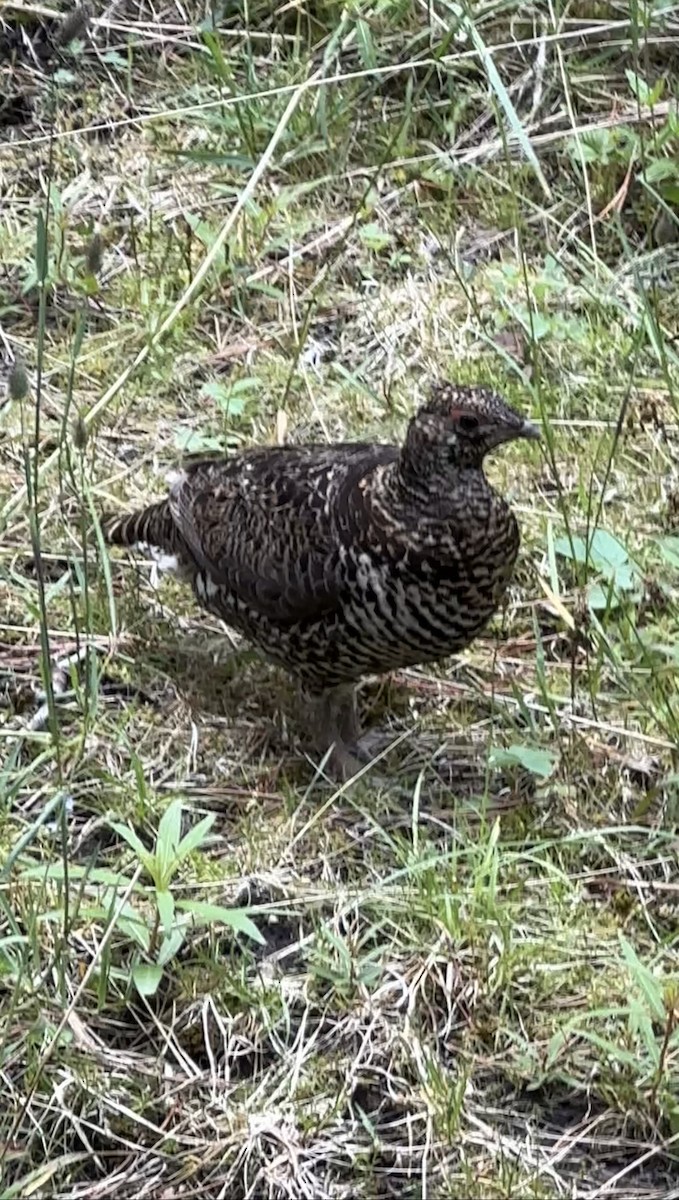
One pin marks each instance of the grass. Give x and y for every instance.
(218, 976)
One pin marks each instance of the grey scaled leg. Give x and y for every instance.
(336, 724)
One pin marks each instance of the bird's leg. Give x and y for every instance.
(344, 701)
(336, 725)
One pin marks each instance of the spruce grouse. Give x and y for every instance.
(351, 559)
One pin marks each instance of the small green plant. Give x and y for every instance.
(234, 402)
(346, 963)
(152, 918)
(172, 918)
(645, 1050)
(618, 578)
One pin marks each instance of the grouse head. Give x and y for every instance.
(459, 425)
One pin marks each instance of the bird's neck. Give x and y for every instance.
(431, 473)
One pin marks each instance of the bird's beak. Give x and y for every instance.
(529, 430)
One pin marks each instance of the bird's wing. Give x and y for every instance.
(270, 525)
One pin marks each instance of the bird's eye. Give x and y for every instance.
(468, 423)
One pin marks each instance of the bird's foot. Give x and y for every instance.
(341, 764)
(335, 723)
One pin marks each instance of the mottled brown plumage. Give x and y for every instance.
(344, 560)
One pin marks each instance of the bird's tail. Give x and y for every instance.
(151, 526)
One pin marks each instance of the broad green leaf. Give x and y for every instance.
(639, 88)
(661, 169)
(136, 931)
(607, 552)
(236, 918)
(601, 598)
(575, 548)
(626, 577)
(195, 836)
(170, 826)
(128, 835)
(165, 859)
(224, 397)
(232, 397)
(374, 237)
(536, 324)
(110, 897)
(642, 92)
(165, 902)
(146, 977)
(245, 385)
(669, 548)
(89, 874)
(128, 921)
(531, 758)
(170, 945)
(114, 59)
